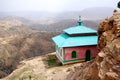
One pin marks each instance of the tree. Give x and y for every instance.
(118, 5)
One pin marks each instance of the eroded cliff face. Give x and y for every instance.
(106, 66)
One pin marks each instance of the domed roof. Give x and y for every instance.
(64, 40)
(80, 29)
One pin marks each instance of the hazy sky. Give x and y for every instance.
(54, 5)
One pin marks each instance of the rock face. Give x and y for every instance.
(106, 66)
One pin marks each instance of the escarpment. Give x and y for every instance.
(106, 65)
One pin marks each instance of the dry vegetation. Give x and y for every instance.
(18, 42)
(38, 68)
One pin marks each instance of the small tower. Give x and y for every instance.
(79, 21)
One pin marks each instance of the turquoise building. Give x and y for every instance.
(76, 44)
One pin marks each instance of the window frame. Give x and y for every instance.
(74, 54)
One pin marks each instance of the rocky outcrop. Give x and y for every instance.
(106, 66)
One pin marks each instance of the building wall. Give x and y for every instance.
(81, 52)
(59, 51)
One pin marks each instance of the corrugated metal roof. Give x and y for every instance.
(81, 29)
(64, 40)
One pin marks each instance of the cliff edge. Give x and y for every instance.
(106, 66)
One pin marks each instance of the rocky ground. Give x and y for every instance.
(106, 66)
(37, 69)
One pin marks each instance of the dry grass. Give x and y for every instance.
(51, 61)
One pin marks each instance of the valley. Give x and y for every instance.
(29, 36)
(19, 42)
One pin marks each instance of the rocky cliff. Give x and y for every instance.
(106, 66)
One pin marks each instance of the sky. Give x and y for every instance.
(54, 5)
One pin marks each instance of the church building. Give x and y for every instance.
(76, 44)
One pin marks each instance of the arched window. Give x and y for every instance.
(74, 54)
(88, 55)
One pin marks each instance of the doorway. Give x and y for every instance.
(88, 55)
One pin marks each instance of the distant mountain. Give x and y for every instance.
(88, 13)
(94, 13)
(48, 21)
(97, 12)
(62, 24)
(11, 27)
(48, 25)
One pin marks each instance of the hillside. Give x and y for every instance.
(51, 25)
(16, 48)
(10, 27)
(19, 42)
(59, 25)
(37, 69)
